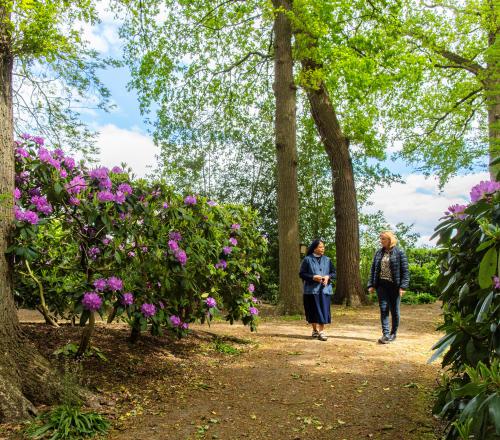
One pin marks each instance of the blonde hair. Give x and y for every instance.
(392, 238)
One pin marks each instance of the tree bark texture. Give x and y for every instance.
(290, 289)
(25, 376)
(348, 289)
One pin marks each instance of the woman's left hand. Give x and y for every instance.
(401, 292)
(325, 280)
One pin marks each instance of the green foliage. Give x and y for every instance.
(67, 422)
(223, 347)
(411, 297)
(469, 288)
(55, 70)
(473, 402)
(71, 349)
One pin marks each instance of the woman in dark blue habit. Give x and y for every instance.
(317, 271)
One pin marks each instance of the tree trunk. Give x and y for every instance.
(349, 289)
(25, 376)
(288, 199)
(492, 88)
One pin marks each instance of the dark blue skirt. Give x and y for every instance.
(317, 308)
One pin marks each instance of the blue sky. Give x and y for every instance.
(123, 137)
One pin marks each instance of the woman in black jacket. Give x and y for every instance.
(389, 275)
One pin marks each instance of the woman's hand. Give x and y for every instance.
(317, 278)
(371, 289)
(401, 292)
(325, 279)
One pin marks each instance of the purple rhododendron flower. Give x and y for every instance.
(496, 282)
(91, 301)
(175, 236)
(175, 320)
(58, 153)
(99, 173)
(233, 241)
(457, 211)
(69, 162)
(74, 201)
(211, 203)
(44, 155)
(76, 185)
(125, 188)
(105, 183)
(165, 205)
(254, 300)
(148, 310)
(190, 200)
(483, 188)
(100, 284)
(105, 196)
(144, 249)
(115, 283)
(18, 213)
(26, 136)
(38, 140)
(63, 173)
(21, 152)
(94, 252)
(106, 241)
(131, 254)
(17, 193)
(181, 256)
(160, 303)
(227, 250)
(235, 226)
(172, 244)
(127, 299)
(222, 264)
(253, 311)
(41, 204)
(185, 326)
(251, 288)
(119, 197)
(210, 302)
(116, 170)
(31, 217)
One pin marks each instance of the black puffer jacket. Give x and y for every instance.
(399, 268)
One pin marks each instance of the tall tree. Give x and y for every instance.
(451, 119)
(286, 146)
(36, 30)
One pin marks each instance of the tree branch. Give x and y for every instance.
(242, 60)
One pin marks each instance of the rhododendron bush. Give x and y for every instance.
(92, 240)
(470, 286)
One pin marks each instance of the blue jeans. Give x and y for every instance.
(388, 301)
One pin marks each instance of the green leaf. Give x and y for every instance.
(494, 411)
(441, 346)
(484, 307)
(487, 268)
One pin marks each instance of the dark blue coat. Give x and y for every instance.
(399, 268)
(311, 266)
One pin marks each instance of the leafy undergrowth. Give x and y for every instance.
(224, 382)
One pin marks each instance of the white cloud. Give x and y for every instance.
(119, 145)
(420, 202)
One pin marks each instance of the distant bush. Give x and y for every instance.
(417, 298)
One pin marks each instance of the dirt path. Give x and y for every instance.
(286, 386)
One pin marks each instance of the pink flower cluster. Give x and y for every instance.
(484, 188)
(176, 322)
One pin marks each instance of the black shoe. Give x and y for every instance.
(384, 340)
(392, 337)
